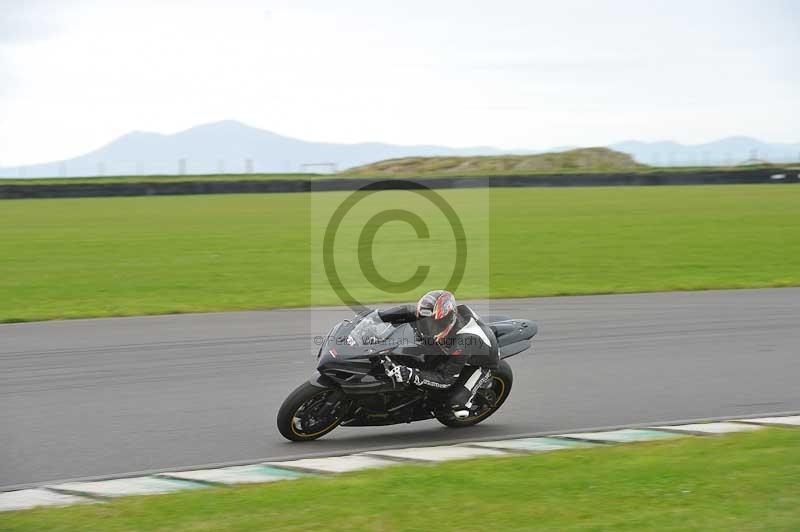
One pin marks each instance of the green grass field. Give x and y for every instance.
(69, 258)
(738, 482)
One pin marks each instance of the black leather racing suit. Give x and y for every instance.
(470, 343)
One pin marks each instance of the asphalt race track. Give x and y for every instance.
(90, 398)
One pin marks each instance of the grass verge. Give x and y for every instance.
(123, 179)
(93, 257)
(490, 170)
(736, 482)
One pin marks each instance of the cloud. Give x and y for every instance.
(75, 73)
(25, 21)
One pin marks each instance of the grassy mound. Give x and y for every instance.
(579, 160)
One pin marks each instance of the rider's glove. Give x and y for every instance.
(403, 374)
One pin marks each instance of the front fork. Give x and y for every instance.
(481, 383)
(331, 402)
(333, 399)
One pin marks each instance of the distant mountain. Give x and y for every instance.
(727, 151)
(225, 147)
(232, 147)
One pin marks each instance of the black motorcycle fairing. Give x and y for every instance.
(351, 359)
(321, 381)
(351, 354)
(404, 405)
(513, 336)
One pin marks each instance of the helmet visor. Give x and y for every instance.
(430, 327)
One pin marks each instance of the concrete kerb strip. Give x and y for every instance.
(778, 421)
(125, 486)
(710, 429)
(28, 498)
(533, 445)
(82, 492)
(621, 436)
(249, 474)
(439, 453)
(336, 464)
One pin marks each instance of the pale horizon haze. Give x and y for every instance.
(76, 74)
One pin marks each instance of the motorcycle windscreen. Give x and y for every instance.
(371, 330)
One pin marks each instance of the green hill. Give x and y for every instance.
(580, 160)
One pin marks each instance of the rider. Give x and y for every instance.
(456, 332)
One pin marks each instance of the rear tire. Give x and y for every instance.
(296, 420)
(502, 379)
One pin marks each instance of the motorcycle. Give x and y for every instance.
(350, 387)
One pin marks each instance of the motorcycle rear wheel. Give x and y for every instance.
(299, 419)
(493, 398)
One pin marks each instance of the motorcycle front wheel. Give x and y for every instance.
(487, 400)
(310, 412)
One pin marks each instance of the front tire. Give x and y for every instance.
(492, 399)
(306, 415)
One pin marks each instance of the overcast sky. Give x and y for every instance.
(515, 74)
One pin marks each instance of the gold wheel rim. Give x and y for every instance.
(499, 397)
